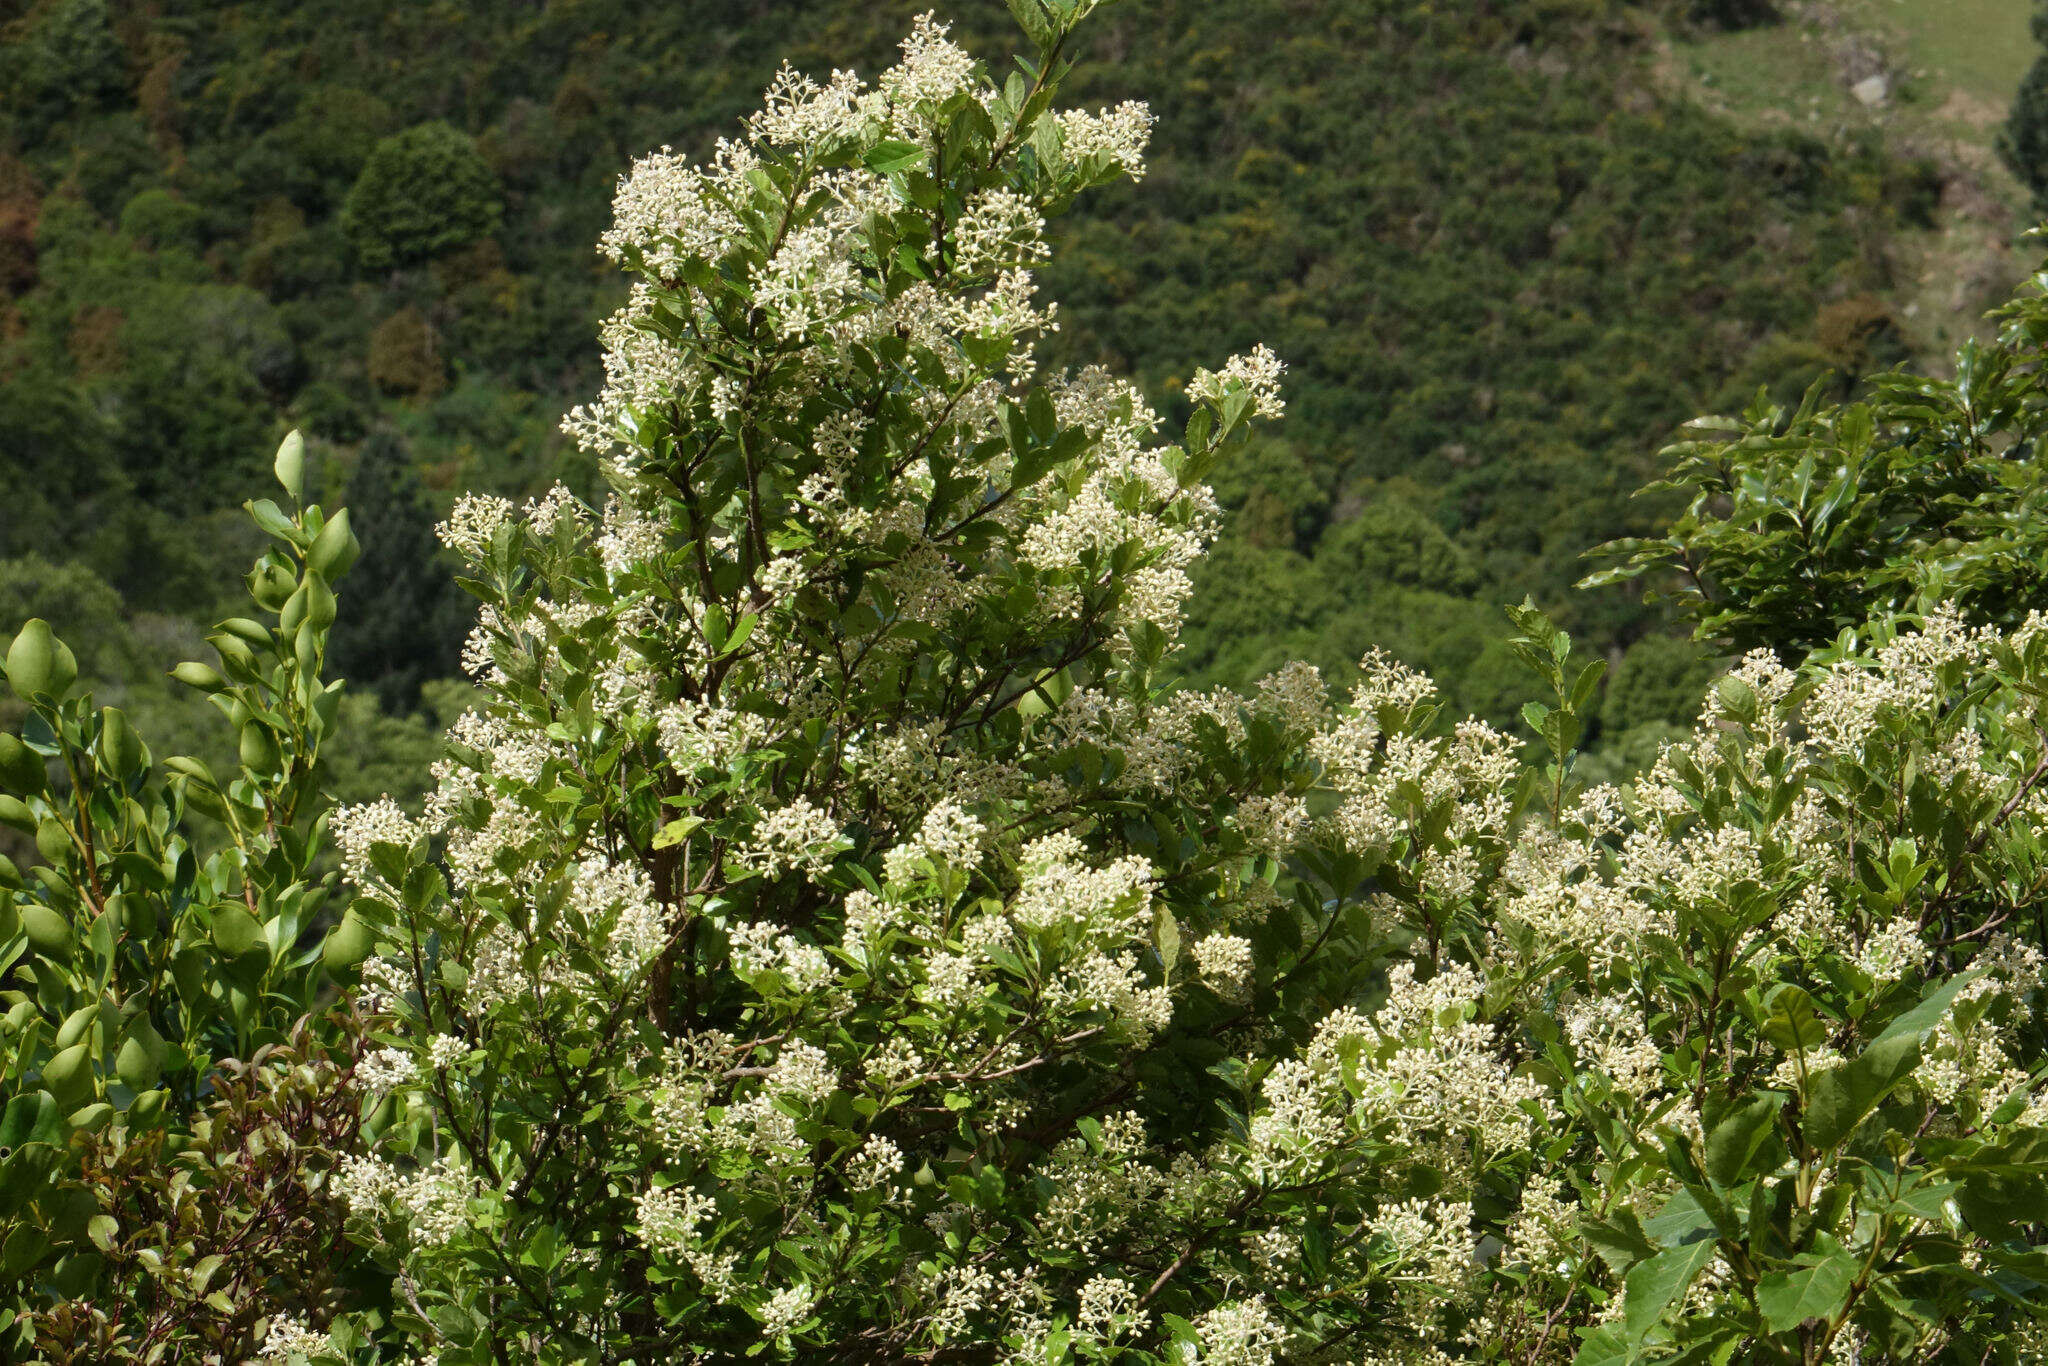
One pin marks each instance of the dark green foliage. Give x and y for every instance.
(171, 1110)
(1393, 543)
(1732, 14)
(407, 618)
(59, 470)
(423, 192)
(1497, 292)
(2023, 142)
(1659, 680)
(1802, 523)
(62, 62)
(90, 609)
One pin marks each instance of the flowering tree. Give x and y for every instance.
(833, 939)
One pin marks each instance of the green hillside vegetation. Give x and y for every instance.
(1501, 257)
(1936, 78)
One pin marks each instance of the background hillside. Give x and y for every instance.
(1504, 245)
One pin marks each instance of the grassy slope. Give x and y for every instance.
(1956, 64)
(1979, 47)
(1963, 60)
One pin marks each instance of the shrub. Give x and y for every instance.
(403, 356)
(409, 618)
(143, 1172)
(2023, 141)
(834, 939)
(1805, 521)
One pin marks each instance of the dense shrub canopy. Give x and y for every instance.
(1803, 522)
(1496, 294)
(835, 935)
(834, 938)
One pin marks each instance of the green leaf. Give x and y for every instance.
(1618, 1239)
(1738, 699)
(30, 1118)
(348, 943)
(1166, 936)
(676, 831)
(1737, 1140)
(140, 1061)
(1030, 16)
(334, 549)
(741, 629)
(235, 931)
(120, 748)
(195, 675)
(290, 465)
(1818, 1291)
(32, 659)
(1792, 1022)
(1681, 1220)
(69, 1076)
(892, 155)
(1654, 1284)
(1604, 1346)
(1843, 1096)
(23, 1248)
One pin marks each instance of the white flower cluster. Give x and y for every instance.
(760, 946)
(668, 1219)
(1061, 890)
(1374, 761)
(1422, 1066)
(949, 834)
(800, 837)
(357, 828)
(668, 212)
(1098, 1189)
(698, 736)
(1611, 1037)
(1121, 134)
(1108, 1309)
(1430, 1240)
(1257, 374)
(288, 1339)
(784, 1311)
(386, 1069)
(430, 1204)
(558, 507)
(876, 1164)
(1242, 1333)
(1905, 675)
(1226, 963)
(474, 522)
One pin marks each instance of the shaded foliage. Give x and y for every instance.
(407, 618)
